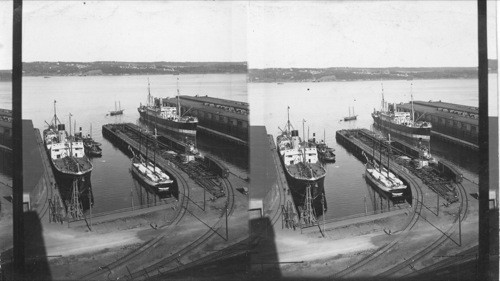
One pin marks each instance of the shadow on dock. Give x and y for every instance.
(36, 265)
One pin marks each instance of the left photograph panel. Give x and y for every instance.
(6, 145)
(135, 139)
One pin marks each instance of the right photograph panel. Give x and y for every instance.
(364, 139)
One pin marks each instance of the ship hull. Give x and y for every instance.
(179, 128)
(392, 193)
(409, 133)
(65, 183)
(298, 188)
(155, 186)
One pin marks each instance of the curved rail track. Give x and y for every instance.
(382, 250)
(464, 205)
(149, 244)
(157, 267)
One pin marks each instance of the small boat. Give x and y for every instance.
(325, 153)
(92, 148)
(150, 174)
(117, 111)
(351, 117)
(382, 178)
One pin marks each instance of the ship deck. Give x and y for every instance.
(306, 171)
(73, 165)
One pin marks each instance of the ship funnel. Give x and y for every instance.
(295, 133)
(61, 132)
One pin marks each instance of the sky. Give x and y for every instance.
(264, 33)
(362, 34)
(131, 31)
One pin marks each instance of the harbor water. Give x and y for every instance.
(323, 105)
(90, 98)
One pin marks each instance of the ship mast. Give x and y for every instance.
(288, 122)
(178, 104)
(388, 155)
(303, 146)
(70, 141)
(412, 111)
(149, 93)
(383, 101)
(55, 116)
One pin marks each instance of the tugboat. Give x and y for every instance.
(168, 118)
(401, 124)
(67, 156)
(325, 153)
(304, 173)
(92, 148)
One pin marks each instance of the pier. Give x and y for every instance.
(220, 118)
(439, 179)
(453, 123)
(203, 172)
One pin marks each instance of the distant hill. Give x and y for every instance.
(493, 66)
(5, 75)
(129, 68)
(350, 74)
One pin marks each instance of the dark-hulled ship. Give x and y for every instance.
(168, 118)
(67, 156)
(401, 124)
(303, 170)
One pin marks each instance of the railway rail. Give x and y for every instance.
(170, 263)
(443, 238)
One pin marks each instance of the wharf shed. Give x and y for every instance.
(221, 117)
(262, 171)
(33, 167)
(450, 120)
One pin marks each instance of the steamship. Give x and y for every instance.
(302, 168)
(67, 156)
(401, 124)
(167, 118)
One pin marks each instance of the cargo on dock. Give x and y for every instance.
(222, 118)
(450, 122)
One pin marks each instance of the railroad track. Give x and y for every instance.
(382, 250)
(464, 205)
(146, 247)
(164, 266)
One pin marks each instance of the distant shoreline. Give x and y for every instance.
(357, 80)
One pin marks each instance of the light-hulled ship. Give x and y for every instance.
(382, 178)
(401, 124)
(67, 156)
(151, 175)
(167, 118)
(302, 168)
